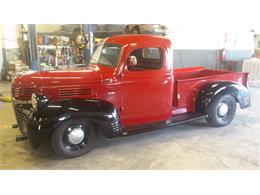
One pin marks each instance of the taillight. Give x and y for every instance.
(247, 81)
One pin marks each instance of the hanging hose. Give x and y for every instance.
(5, 99)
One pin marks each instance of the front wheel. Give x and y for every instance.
(222, 110)
(73, 138)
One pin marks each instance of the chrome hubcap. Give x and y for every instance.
(223, 109)
(76, 135)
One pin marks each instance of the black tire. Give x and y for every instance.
(60, 139)
(217, 118)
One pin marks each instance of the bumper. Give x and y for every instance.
(23, 112)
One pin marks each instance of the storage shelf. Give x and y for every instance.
(53, 46)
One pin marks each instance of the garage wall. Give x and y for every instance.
(206, 58)
(11, 48)
(1, 52)
(257, 41)
(192, 47)
(201, 46)
(48, 27)
(237, 55)
(195, 57)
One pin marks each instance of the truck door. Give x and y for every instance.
(146, 87)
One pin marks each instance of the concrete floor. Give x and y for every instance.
(189, 146)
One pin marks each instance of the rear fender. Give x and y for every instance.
(210, 91)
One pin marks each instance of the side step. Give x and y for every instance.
(187, 117)
(176, 120)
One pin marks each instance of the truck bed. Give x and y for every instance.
(196, 72)
(189, 81)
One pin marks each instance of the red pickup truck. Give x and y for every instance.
(130, 85)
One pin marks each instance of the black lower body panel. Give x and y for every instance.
(187, 117)
(176, 120)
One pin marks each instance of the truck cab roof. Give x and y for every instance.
(138, 39)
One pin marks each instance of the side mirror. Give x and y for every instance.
(132, 61)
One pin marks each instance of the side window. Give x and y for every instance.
(149, 58)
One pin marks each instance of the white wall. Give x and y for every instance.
(47, 27)
(240, 40)
(10, 34)
(188, 37)
(257, 39)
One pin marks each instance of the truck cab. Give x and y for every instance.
(130, 85)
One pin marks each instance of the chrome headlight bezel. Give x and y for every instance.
(38, 101)
(34, 101)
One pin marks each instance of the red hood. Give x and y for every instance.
(47, 82)
(92, 73)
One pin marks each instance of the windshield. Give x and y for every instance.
(106, 54)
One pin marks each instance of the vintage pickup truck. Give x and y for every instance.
(130, 85)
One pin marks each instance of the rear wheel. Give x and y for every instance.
(222, 110)
(73, 138)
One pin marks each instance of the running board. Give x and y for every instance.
(176, 120)
(187, 117)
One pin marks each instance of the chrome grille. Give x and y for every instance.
(22, 118)
(22, 93)
(70, 92)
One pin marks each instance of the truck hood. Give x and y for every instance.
(49, 82)
(90, 74)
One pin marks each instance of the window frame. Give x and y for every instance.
(162, 58)
(119, 56)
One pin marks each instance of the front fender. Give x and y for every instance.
(44, 120)
(210, 91)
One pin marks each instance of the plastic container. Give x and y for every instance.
(40, 40)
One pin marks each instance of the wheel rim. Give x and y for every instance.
(222, 109)
(76, 137)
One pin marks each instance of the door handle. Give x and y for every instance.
(165, 82)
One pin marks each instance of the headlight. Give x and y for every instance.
(34, 101)
(38, 100)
